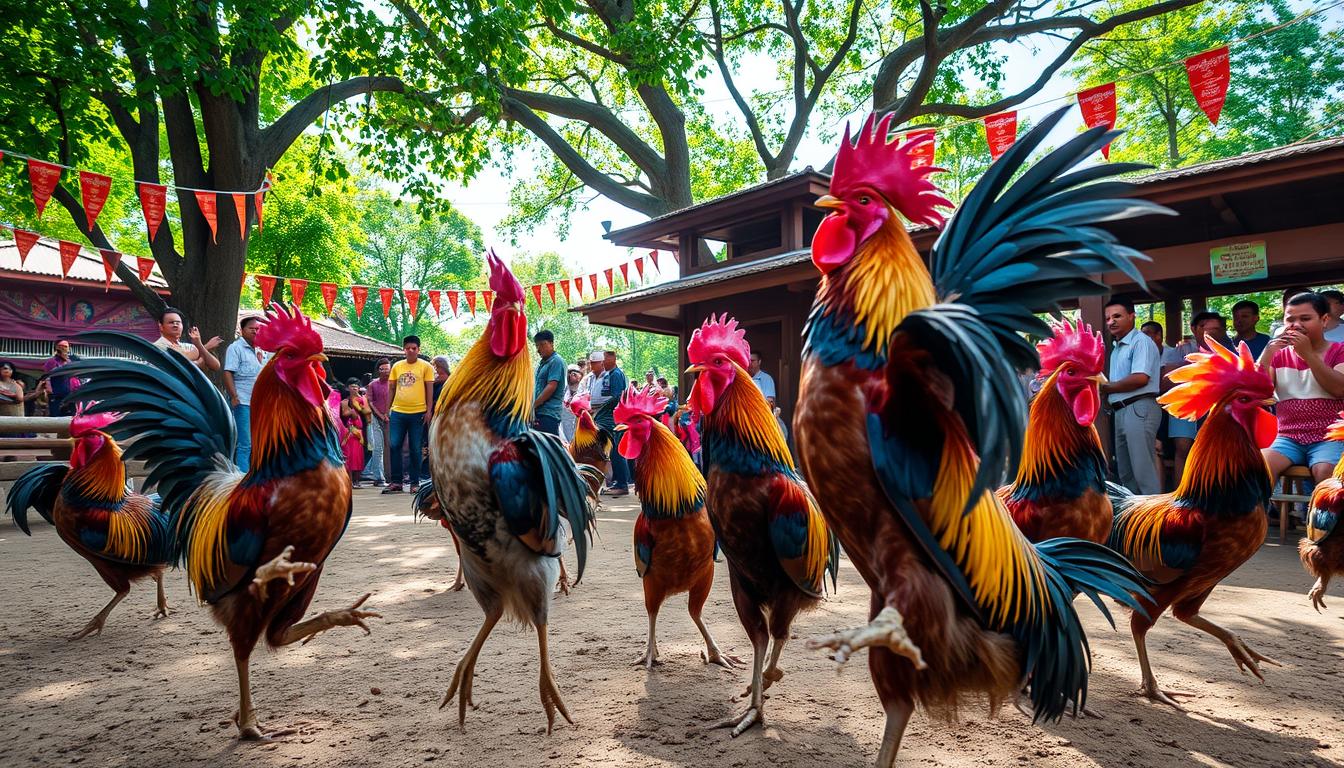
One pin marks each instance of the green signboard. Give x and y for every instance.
(1238, 262)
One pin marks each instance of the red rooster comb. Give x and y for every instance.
(719, 335)
(1077, 344)
(581, 403)
(639, 402)
(502, 282)
(288, 327)
(888, 168)
(1209, 377)
(1336, 430)
(83, 422)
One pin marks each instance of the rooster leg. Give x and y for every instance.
(755, 713)
(562, 586)
(650, 657)
(466, 670)
(1149, 687)
(1317, 593)
(345, 617)
(95, 625)
(162, 611)
(246, 717)
(887, 629)
(458, 581)
(1246, 657)
(773, 673)
(550, 693)
(898, 715)
(712, 654)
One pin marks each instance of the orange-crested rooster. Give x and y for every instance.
(778, 548)
(1322, 551)
(674, 540)
(910, 413)
(125, 536)
(591, 444)
(253, 539)
(505, 488)
(1060, 489)
(1190, 539)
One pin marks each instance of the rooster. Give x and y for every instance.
(674, 540)
(1060, 488)
(777, 545)
(253, 539)
(910, 412)
(505, 488)
(125, 536)
(1192, 538)
(1322, 551)
(591, 444)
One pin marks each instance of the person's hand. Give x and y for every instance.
(234, 401)
(194, 335)
(214, 341)
(1278, 343)
(428, 415)
(1301, 344)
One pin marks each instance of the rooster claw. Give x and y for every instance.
(1161, 696)
(1247, 658)
(741, 723)
(724, 660)
(1317, 595)
(279, 568)
(887, 629)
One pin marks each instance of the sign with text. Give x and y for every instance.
(1238, 262)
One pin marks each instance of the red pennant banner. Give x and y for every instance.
(1209, 73)
(550, 288)
(240, 208)
(578, 284)
(206, 202)
(653, 256)
(452, 301)
(153, 197)
(24, 241)
(607, 274)
(1098, 108)
(258, 199)
(471, 302)
(434, 299)
(267, 283)
(536, 294)
(639, 267)
(1000, 132)
(297, 288)
(360, 294)
(592, 282)
(110, 261)
(93, 189)
(921, 155)
(385, 296)
(69, 252)
(565, 286)
(625, 274)
(412, 300)
(146, 267)
(489, 298)
(328, 295)
(43, 177)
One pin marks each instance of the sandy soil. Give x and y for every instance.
(150, 693)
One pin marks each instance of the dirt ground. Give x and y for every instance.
(159, 693)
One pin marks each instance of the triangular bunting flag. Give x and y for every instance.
(412, 300)
(434, 299)
(578, 284)
(564, 285)
(110, 261)
(206, 202)
(452, 302)
(592, 281)
(471, 302)
(360, 294)
(240, 208)
(69, 252)
(489, 298)
(43, 177)
(1098, 108)
(625, 274)
(145, 267)
(639, 267)
(1000, 133)
(610, 289)
(536, 294)
(653, 256)
(550, 288)
(24, 241)
(258, 199)
(153, 198)
(267, 283)
(328, 295)
(385, 296)
(921, 155)
(93, 189)
(1209, 74)
(297, 288)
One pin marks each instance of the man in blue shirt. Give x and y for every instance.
(1245, 318)
(242, 362)
(607, 389)
(1134, 379)
(548, 394)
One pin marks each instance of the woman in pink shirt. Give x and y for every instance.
(1308, 373)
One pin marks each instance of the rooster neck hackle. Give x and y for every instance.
(502, 388)
(859, 305)
(99, 482)
(666, 480)
(740, 435)
(289, 434)
(1060, 457)
(1225, 473)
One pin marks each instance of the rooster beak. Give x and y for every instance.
(696, 369)
(317, 358)
(1268, 401)
(827, 201)
(621, 427)
(1100, 378)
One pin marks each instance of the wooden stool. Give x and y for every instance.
(1301, 476)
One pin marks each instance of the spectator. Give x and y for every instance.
(1206, 328)
(57, 387)
(1245, 318)
(650, 378)
(170, 337)
(593, 370)
(1308, 373)
(547, 399)
(763, 380)
(1277, 328)
(353, 418)
(412, 385)
(568, 421)
(242, 362)
(380, 401)
(1334, 329)
(1153, 330)
(1134, 375)
(12, 396)
(666, 390)
(605, 394)
(441, 374)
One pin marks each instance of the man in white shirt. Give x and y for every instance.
(242, 363)
(763, 380)
(1131, 392)
(171, 325)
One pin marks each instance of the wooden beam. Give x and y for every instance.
(1227, 213)
(655, 323)
(19, 425)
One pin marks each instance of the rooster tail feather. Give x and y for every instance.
(1058, 656)
(201, 526)
(424, 497)
(38, 488)
(567, 493)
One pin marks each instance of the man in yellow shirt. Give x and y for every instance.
(412, 383)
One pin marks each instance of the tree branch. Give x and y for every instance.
(601, 119)
(753, 124)
(278, 137)
(586, 45)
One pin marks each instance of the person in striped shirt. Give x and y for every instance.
(1308, 374)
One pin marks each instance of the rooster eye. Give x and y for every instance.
(864, 200)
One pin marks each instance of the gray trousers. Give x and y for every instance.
(374, 471)
(1135, 430)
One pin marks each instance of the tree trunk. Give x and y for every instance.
(209, 285)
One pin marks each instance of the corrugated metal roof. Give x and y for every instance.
(343, 341)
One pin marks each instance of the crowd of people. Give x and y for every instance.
(1303, 354)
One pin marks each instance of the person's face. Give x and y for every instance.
(648, 377)
(545, 348)
(1119, 321)
(1303, 318)
(171, 326)
(63, 350)
(384, 371)
(609, 362)
(412, 352)
(1154, 334)
(573, 377)
(754, 365)
(1206, 327)
(6, 373)
(249, 331)
(1336, 307)
(1244, 320)
(353, 389)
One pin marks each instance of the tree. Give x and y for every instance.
(217, 92)
(613, 90)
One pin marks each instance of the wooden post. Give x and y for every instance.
(1175, 323)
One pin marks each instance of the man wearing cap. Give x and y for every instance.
(568, 421)
(547, 399)
(608, 386)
